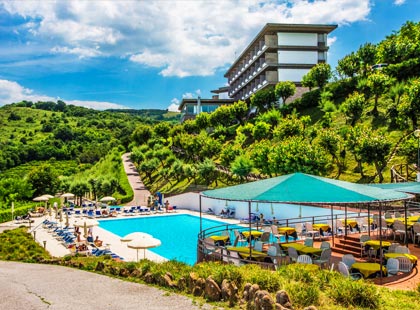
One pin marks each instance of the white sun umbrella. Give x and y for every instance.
(67, 195)
(135, 235)
(107, 198)
(143, 243)
(88, 222)
(48, 196)
(41, 198)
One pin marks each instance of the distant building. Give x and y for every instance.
(279, 52)
(192, 106)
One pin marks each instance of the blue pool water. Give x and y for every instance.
(178, 233)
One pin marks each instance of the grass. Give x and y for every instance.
(306, 286)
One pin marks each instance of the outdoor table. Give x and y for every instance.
(254, 233)
(411, 257)
(220, 240)
(311, 251)
(243, 252)
(351, 222)
(295, 245)
(375, 244)
(322, 226)
(368, 269)
(286, 230)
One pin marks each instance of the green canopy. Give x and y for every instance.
(303, 188)
(406, 187)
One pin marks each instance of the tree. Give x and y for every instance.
(318, 75)
(261, 130)
(161, 130)
(142, 134)
(348, 65)
(410, 102)
(284, 90)
(375, 149)
(308, 81)
(264, 99)
(333, 144)
(207, 171)
(43, 179)
(378, 83)
(241, 167)
(367, 56)
(79, 189)
(353, 107)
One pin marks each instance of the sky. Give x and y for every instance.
(151, 54)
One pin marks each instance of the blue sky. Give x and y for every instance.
(151, 54)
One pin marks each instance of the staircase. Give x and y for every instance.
(348, 245)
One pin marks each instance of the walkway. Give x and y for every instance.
(140, 191)
(34, 286)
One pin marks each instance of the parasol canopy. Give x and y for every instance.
(135, 235)
(107, 198)
(41, 198)
(144, 243)
(67, 195)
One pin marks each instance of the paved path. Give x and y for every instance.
(33, 286)
(140, 191)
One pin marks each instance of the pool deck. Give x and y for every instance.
(110, 240)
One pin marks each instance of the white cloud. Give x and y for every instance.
(180, 38)
(173, 107)
(11, 91)
(188, 96)
(399, 2)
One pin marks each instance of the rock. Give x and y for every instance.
(212, 290)
(136, 273)
(230, 292)
(310, 308)
(198, 289)
(247, 288)
(182, 284)
(100, 266)
(263, 301)
(149, 278)
(167, 280)
(124, 272)
(191, 281)
(253, 291)
(283, 299)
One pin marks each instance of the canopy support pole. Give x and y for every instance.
(332, 225)
(380, 241)
(201, 220)
(368, 221)
(405, 218)
(250, 235)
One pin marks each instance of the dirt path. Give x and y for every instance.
(38, 287)
(140, 191)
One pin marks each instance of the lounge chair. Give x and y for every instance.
(210, 211)
(252, 219)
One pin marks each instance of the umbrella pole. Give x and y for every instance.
(144, 253)
(250, 235)
(137, 254)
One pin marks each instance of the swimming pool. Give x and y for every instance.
(178, 233)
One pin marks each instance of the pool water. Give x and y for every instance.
(178, 233)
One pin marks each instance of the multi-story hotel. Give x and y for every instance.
(279, 52)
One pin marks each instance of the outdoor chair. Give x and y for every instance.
(324, 259)
(210, 211)
(308, 242)
(325, 245)
(397, 214)
(416, 230)
(299, 229)
(258, 246)
(276, 255)
(310, 230)
(293, 254)
(402, 249)
(266, 238)
(342, 268)
(239, 238)
(234, 258)
(392, 247)
(405, 264)
(275, 231)
(392, 266)
(399, 229)
(304, 259)
(364, 250)
(388, 215)
(348, 260)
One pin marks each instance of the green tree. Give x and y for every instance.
(79, 189)
(241, 167)
(161, 129)
(308, 81)
(142, 134)
(261, 130)
(378, 83)
(319, 74)
(349, 65)
(285, 90)
(202, 120)
(353, 107)
(410, 102)
(264, 99)
(367, 56)
(207, 171)
(374, 149)
(43, 179)
(332, 142)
